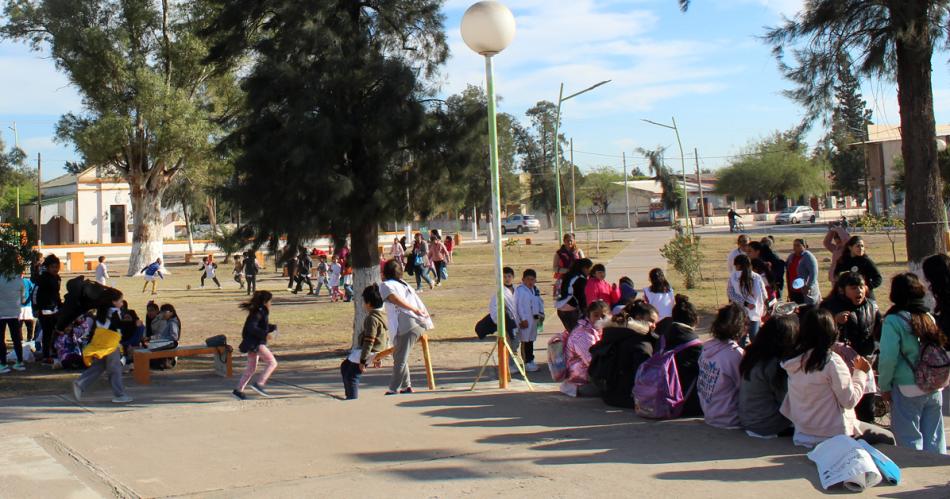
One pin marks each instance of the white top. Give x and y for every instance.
(334, 277)
(404, 292)
(209, 270)
(530, 304)
(730, 260)
(662, 301)
(756, 297)
(510, 305)
(102, 273)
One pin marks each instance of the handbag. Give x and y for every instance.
(217, 341)
(485, 327)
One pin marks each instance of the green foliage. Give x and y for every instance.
(849, 120)
(600, 185)
(887, 224)
(13, 174)
(686, 257)
(231, 241)
(537, 147)
(943, 160)
(775, 166)
(17, 240)
(672, 196)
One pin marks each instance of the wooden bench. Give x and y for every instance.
(142, 356)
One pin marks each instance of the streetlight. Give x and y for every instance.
(557, 152)
(689, 223)
(487, 28)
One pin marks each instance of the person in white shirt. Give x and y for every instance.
(747, 289)
(512, 319)
(530, 307)
(742, 248)
(334, 279)
(102, 272)
(660, 294)
(408, 320)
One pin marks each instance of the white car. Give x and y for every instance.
(520, 224)
(796, 215)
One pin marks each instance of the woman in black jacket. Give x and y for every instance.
(257, 328)
(48, 303)
(627, 342)
(572, 303)
(677, 330)
(856, 259)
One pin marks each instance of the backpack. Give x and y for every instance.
(932, 371)
(557, 361)
(657, 391)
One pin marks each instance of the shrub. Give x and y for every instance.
(685, 257)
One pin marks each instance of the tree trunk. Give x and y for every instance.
(364, 254)
(491, 233)
(918, 128)
(212, 215)
(191, 238)
(147, 223)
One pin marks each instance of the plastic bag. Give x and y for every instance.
(843, 460)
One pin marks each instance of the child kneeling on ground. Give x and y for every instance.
(372, 340)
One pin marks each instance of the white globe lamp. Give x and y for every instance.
(941, 145)
(488, 27)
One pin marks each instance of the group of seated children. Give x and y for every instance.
(797, 378)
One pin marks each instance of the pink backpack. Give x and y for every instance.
(557, 361)
(657, 391)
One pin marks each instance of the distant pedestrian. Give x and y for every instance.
(251, 269)
(238, 271)
(732, 215)
(102, 272)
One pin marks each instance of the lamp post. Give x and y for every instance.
(557, 152)
(689, 223)
(487, 28)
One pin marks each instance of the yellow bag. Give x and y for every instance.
(104, 342)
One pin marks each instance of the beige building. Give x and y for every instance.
(883, 149)
(90, 208)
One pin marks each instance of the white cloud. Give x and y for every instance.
(581, 43)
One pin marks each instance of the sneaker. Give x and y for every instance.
(259, 389)
(124, 399)
(407, 389)
(201, 287)
(290, 289)
(531, 367)
(77, 391)
(390, 392)
(239, 395)
(4, 369)
(19, 367)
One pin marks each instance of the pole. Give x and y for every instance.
(626, 188)
(689, 222)
(699, 180)
(573, 190)
(474, 223)
(18, 201)
(496, 222)
(557, 164)
(39, 200)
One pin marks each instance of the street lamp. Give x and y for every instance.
(487, 28)
(689, 222)
(557, 153)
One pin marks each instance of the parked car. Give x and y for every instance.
(520, 224)
(796, 215)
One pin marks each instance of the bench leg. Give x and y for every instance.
(142, 370)
(230, 364)
(430, 376)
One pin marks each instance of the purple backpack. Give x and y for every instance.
(657, 391)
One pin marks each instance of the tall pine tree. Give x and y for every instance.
(849, 120)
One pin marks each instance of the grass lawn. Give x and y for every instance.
(315, 333)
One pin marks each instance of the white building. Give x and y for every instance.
(90, 208)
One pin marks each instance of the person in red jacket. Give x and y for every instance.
(598, 288)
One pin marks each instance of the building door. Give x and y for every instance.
(117, 223)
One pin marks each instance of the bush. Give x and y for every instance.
(685, 257)
(889, 225)
(16, 247)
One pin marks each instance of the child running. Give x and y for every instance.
(372, 340)
(208, 269)
(257, 328)
(238, 271)
(151, 271)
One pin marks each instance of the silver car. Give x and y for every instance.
(520, 224)
(796, 215)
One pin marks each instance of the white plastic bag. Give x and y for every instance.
(841, 459)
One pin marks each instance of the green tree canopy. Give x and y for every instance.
(600, 186)
(775, 166)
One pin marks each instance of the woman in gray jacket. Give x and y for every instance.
(763, 382)
(11, 298)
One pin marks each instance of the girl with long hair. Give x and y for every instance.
(747, 289)
(257, 329)
(916, 417)
(102, 354)
(855, 258)
(718, 384)
(823, 389)
(763, 383)
(659, 293)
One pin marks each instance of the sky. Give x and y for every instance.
(707, 68)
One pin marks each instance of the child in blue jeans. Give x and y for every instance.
(372, 340)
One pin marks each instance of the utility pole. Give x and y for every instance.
(626, 189)
(699, 180)
(573, 191)
(39, 200)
